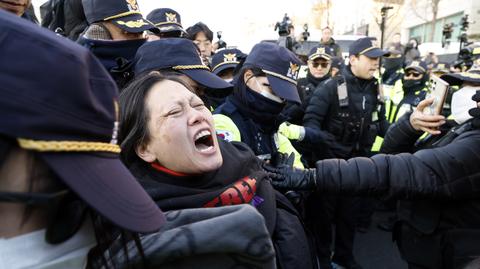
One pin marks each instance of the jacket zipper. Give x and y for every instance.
(362, 121)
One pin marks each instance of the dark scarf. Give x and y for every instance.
(315, 81)
(240, 180)
(108, 51)
(263, 111)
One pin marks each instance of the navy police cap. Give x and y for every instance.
(281, 67)
(178, 54)
(123, 13)
(321, 51)
(166, 20)
(225, 59)
(417, 65)
(57, 100)
(443, 67)
(365, 46)
(472, 76)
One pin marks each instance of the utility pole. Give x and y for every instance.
(383, 13)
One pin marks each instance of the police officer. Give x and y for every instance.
(252, 113)
(441, 68)
(392, 67)
(168, 23)
(439, 222)
(60, 170)
(225, 61)
(345, 117)
(115, 33)
(319, 66)
(408, 91)
(180, 56)
(337, 65)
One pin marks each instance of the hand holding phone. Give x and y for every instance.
(438, 91)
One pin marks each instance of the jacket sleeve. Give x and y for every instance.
(383, 123)
(452, 172)
(400, 137)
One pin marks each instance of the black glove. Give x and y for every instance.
(287, 177)
(282, 159)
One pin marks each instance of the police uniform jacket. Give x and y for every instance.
(346, 129)
(439, 227)
(306, 86)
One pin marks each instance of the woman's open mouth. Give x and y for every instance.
(204, 141)
(12, 3)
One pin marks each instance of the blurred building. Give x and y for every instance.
(420, 21)
(366, 19)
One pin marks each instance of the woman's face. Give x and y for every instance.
(181, 131)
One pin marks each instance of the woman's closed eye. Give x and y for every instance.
(198, 105)
(174, 112)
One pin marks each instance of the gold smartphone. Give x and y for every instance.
(438, 90)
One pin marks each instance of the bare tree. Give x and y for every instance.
(431, 5)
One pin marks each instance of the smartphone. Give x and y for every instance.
(438, 90)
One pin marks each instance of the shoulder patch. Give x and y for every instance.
(225, 135)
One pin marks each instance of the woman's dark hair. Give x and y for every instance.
(192, 31)
(134, 115)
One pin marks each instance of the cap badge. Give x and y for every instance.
(171, 17)
(320, 50)
(230, 57)
(293, 71)
(132, 5)
(133, 24)
(415, 64)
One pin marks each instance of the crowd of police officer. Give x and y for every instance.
(341, 109)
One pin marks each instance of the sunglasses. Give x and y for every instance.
(413, 74)
(322, 64)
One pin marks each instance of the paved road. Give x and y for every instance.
(375, 249)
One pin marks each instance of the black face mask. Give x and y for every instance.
(259, 108)
(411, 83)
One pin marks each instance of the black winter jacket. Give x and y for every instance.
(305, 86)
(349, 131)
(442, 183)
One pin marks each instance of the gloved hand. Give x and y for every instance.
(292, 131)
(280, 159)
(287, 177)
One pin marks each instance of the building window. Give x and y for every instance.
(422, 32)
